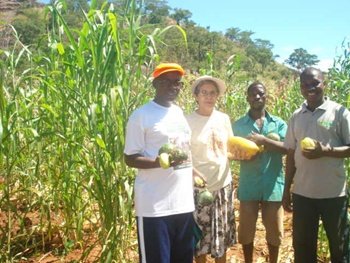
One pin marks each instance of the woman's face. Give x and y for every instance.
(207, 95)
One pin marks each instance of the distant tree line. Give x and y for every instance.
(252, 56)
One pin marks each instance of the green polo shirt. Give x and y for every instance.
(261, 178)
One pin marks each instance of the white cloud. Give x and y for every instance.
(325, 64)
(315, 50)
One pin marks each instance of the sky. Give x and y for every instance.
(319, 27)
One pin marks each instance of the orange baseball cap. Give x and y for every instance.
(167, 67)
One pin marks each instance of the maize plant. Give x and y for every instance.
(62, 130)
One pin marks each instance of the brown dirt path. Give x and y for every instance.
(235, 253)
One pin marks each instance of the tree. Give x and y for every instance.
(75, 5)
(232, 33)
(181, 15)
(244, 38)
(300, 59)
(156, 10)
(30, 25)
(261, 51)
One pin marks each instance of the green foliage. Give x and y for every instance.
(30, 25)
(63, 113)
(261, 52)
(62, 132)
(339, 77)
(256, 57)
(181, 16)
(285, 100)
(244, 38)
(232, 33)
(156, 11)
(301, 59)
(74, 6)
(323, 251)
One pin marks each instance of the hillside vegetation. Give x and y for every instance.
(249, 57)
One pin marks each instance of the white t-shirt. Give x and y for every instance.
(209, 147)
(158, 191)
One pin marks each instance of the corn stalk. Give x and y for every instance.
(63, 122)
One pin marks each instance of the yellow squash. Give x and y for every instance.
(199, 181)
(244, 145)
(273, 136)
(164, 160)
(307, 144)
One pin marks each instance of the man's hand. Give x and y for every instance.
(198, 179)
(259, 139)
(318, 152)
(175, 163)
(287, 201)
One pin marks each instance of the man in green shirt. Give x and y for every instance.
(261, 178)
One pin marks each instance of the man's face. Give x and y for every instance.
(312, 88)
(168, 86)
(256, 97)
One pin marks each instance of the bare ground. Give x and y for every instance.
(52, 251)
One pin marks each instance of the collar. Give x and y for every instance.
(268, 117)
(323, 106)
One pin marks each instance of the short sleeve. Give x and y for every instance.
(228, 125)
(289, 140)
(134, 137)
(282, 129)
(345, 126)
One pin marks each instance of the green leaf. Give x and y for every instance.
(49, 108)
(35, 133)
(60, 48)
(100, 141)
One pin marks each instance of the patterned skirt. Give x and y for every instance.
(217, 223)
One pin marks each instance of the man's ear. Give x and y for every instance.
(155, 82)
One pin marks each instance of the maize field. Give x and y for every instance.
(63, 183)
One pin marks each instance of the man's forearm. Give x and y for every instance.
(336, 152)
(141, 162)
(290, 170)
(276, 146)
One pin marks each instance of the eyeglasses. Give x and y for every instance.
(205, 93)
(171, 83)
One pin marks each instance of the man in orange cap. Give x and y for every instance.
(163, 196)
(168, 67)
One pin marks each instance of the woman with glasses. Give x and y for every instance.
(210, 132)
